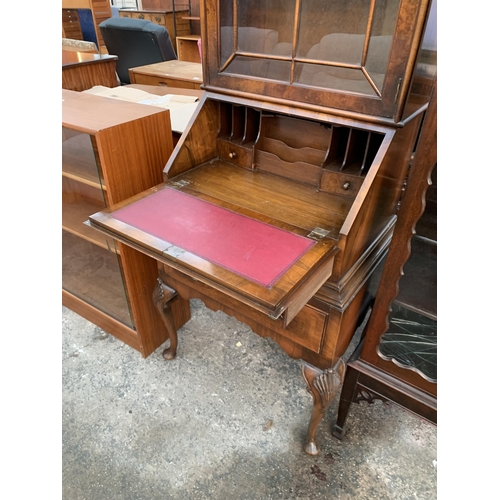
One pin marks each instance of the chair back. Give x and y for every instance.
(136, 42)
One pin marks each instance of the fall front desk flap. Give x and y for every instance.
(268, 264)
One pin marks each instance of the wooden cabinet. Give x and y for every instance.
(176, 23)
(308, 125)
(111, 150)
(397, 360)
(187, 48)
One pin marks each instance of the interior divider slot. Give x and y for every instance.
(373, 144)
(337, 149)
(252, 124)
(355, 150)
(238, 123)
(225, 119)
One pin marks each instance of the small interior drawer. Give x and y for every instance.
(234, 153)
(340, 183)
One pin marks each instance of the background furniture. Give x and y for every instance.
(111, 150)
(188, 49)
(100, 10)
(79, 46)
(136, 42)
(83, 70)
(268, 147)
(177, 74)
(174, 22)
(397, 360)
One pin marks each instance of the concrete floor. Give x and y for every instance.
(225, 420)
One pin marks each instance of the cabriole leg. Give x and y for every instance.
(162, 298)
(323, 386)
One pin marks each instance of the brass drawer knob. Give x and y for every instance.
(232, 154)
(157, 19)
(346, 185)
(141, 16)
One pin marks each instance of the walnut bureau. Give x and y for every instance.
(280, 199)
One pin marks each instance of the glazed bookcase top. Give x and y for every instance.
(352, 55)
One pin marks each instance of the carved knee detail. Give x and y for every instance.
(323, 386)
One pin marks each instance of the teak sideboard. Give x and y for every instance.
(280, 199)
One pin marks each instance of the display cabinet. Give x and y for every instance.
(279, 201)
(397, 358)
(111, 150)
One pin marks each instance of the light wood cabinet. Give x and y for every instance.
(187, 48)
(111, 150)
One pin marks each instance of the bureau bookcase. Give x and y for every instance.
(307, 128)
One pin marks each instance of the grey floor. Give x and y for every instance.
(225, 420)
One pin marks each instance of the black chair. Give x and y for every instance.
(136, 42)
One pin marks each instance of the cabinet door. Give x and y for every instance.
(91, 267)
(355, 55)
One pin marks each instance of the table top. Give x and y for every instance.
(178, 70)
(71, 58)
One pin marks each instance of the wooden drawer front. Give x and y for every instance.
(234, 153)
(307, 328)
(340, 183)
(157, 19)
(164, 82)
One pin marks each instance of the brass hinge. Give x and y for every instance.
(318, 233)
(179, 184)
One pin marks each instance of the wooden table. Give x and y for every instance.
(82, 71)
(180, 74)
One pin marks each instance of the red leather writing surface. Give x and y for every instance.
(250, 248)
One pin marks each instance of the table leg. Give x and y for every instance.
(323, 386)
(162, 298)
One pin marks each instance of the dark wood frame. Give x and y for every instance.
(368, 376)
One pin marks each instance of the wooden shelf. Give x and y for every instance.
(73, 217)
(78, 159)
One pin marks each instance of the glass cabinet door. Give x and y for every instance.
(90, 261)
(350, 54)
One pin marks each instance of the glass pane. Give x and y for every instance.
(329, 77)
(411, 339)
(263, 27)
(260, 68)
(90, 264)
(336, 32)
(347, 35)
(326, 26)
(411, 342)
